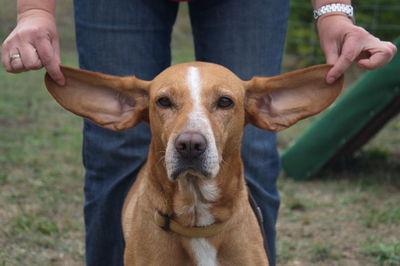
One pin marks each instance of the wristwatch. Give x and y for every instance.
(337, 7)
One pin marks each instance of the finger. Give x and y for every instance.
(375, 61)
(331, 54)
(16, 64)
(392, 47)
(349, 53)
(332, 58)
(29, 57)
(57, 48)
(50, 60)
(5, 56)
(379, 57)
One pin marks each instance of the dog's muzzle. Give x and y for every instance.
(190, 155)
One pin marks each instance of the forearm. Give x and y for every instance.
(26, 6)
(318, 3)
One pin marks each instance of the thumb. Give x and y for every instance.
(48, 52)
(347, 56)
(331, 52)
(332, 55)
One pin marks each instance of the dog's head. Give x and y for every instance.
(196, 111)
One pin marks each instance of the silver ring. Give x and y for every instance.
(15, 57)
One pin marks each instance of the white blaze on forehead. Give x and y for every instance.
(197, 118)
(195, 87)
(194, 83)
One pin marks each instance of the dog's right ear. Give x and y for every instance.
(112, 102)
(276, 103)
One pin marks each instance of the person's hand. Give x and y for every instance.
(344, 43)
(33, 44)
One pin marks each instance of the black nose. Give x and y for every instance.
(190, 144)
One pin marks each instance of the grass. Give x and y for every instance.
(322, 252)
(338, 219)
(41, 180)
(388, 215)
(348, 216)
(384, 253)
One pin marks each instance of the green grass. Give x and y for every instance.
(384, 253)
(322, 252)
(331, 220)
(41, 179)
(347, 216)
(387, 215)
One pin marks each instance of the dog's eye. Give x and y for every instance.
(225, 103)
(164, 102)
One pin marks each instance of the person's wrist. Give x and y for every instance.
(329, 17)
(35, 12)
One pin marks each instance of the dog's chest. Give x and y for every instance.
(201, 198)
(204, 253)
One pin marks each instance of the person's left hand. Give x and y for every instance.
(344, 43)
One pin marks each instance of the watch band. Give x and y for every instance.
(336, 7)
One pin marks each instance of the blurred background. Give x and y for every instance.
(348, 215)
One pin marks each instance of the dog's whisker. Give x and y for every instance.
(162, 158)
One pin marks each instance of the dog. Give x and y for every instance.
(189, 204)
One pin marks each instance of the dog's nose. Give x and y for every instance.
(190, 144)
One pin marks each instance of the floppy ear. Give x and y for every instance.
(278, 102)
(112, 102)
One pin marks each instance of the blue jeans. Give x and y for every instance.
(132, 37)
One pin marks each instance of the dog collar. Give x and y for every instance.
(167, 224)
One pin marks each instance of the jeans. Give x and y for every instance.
(132, 37)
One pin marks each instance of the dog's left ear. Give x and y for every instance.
(112, 102)
(278, 102)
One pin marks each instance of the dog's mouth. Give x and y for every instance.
(183, 171)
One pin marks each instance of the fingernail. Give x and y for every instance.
(331, 80)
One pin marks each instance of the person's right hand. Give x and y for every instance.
(35, 40)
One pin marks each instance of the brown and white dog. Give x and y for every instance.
(189, 204)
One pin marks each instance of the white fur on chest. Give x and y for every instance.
(204, 253)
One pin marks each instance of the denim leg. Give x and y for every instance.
(248, 38)
(124, 37)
